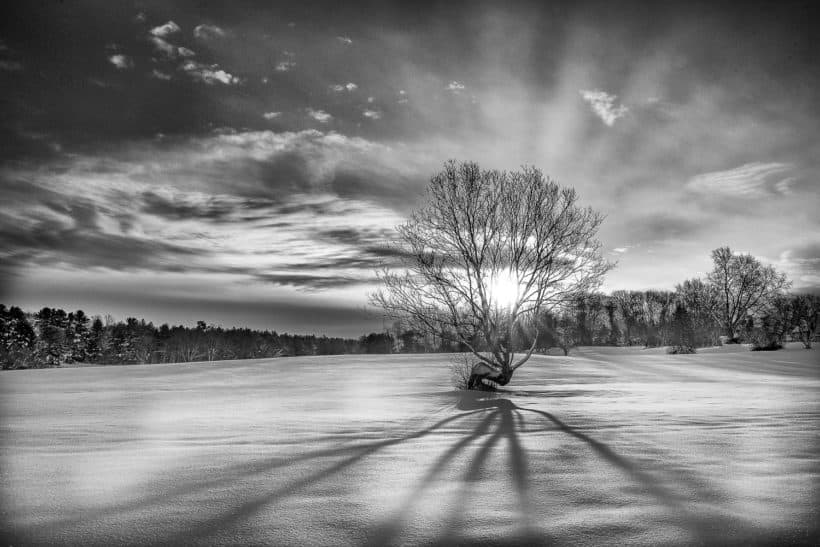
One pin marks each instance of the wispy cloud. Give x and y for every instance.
(122, 62)
(119, 213)
(345, 40)
(159, 75)
(603, 104)
(10, 66)
(749, 180)
(165, 30)
(208, 32)
(161, 46)
(319, 115)
(208, 74)
(802, 264)
(349, 86)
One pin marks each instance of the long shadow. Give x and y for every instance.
(229, 475)
(499, 413)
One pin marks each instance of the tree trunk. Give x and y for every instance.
(484, 377)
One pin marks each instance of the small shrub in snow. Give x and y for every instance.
(460, 369)
(680, 350)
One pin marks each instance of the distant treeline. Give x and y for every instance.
(688, 317)
(52, 336)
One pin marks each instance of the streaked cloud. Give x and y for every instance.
(93, 213)
(604, 105)
(349, 86)
(271, 115)
(319, 115)
(208, 74)
(165, 30)
(11, 66)
(345, 40)
(159, 75)
(802, 264)
(372, 114)
(122, 62)
(208, 32)
(161, 46)
(747, 181)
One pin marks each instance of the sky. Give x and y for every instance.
(245, 163)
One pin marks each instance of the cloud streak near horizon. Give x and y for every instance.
(189, 149)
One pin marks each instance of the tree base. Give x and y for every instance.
(485, 378)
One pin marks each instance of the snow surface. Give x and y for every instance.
(607, 446)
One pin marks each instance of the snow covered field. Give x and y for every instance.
(607, 446)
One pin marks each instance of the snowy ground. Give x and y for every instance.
(607, 446)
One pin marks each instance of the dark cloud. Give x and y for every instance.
(79, 242)
(706, 89)
(213, 209)
(307, 281)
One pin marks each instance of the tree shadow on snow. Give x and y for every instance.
(493, 422)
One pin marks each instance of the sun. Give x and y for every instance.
(504, 289)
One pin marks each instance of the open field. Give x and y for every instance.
(607, 446)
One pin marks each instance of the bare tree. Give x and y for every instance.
(744, 286)
(806, 313)
(702, 306)
(485, 255)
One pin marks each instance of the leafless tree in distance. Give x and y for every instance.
(744, 286)
(487, 253)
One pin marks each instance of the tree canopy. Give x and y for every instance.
(487, 253)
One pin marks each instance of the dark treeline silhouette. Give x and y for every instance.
(52, 336)
(741, 300)
(683, 320)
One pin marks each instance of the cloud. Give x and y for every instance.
(208, 32)
(349, 86)
(620, 250)
(161, 46)
(319, 115)
(370, 99)
(747, 181)
(455, 87)
(271, 115)
(372, 114)
(165, 30)
(603, 104)
(287, 208)
(159, 75)
(802, 265)
(345, 40)
(70, 233)
(208, 74)
(170, 50)
(10, 66)
(284, 66)
(122, 62)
